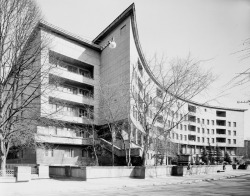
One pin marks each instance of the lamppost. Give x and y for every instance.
(111, 44)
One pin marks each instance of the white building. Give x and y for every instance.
(85, 68)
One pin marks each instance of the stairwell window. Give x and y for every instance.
(69, 153)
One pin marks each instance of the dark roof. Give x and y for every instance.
(130, 10)
(68, 35)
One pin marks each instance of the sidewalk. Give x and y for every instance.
(62, 185)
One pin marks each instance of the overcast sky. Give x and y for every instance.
(210, 30)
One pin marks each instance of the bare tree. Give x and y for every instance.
(21, 74)
(156, 103)
(114, 101)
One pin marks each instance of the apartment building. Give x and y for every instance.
(80, 70)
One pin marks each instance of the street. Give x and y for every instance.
(233, 186)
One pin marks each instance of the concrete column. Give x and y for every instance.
(23, 173)
(43, 171)
(186, 149)
(164, 160)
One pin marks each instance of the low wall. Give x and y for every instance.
(153, 171)
(96, 172)
(110, 172)
(201, 169)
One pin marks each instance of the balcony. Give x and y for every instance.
(191, 118)
(192, 138)
(63, 140)
(221, 113)
(191, 128)
(221, 131)
(220, 122)
(77, 98)
(73, 119)
(63, 73)
(221, 140)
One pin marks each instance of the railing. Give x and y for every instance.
(8, 173)
(11, 166)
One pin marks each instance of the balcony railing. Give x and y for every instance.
(77, 98)
(63, 140)
(72, 76)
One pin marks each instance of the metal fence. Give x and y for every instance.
(9, 173)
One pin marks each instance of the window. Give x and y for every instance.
(212, 131)
(234, 124)
(173, 135)
(85, 153)
(234, 133)
(203, 130)
(140, 85)
(203, 121)
(198, 129)
(208, 140)
(159, 93)
(135, 113)
(160, 118)
(80, 133)
(203, 139)
(86, 93)
(207, 122)
(212, 140)
(212, 122)
(185, 127)
(229, 132)
(177, 136)
(83, 113)
(185, 137)
(208, 132)
(191, 108)
(191, 128)
(69, 153)
(198, 120)
(198, 139)
(49, 152)
(221, 113)
(85, 73)
(180, 136)
(234, 141)
(229, 141)
(181, 126)
(229, 124)
(72, 69)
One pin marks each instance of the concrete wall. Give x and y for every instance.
(130, 172)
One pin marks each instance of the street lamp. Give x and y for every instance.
(111, 44)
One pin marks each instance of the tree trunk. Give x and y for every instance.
(113, 156)
(94, 148)
(3, 165)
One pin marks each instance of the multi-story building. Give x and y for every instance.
(83, 67)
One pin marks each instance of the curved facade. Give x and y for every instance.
(90, 70)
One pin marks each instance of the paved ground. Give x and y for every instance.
(228, 183)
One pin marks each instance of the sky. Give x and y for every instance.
(211, 31)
